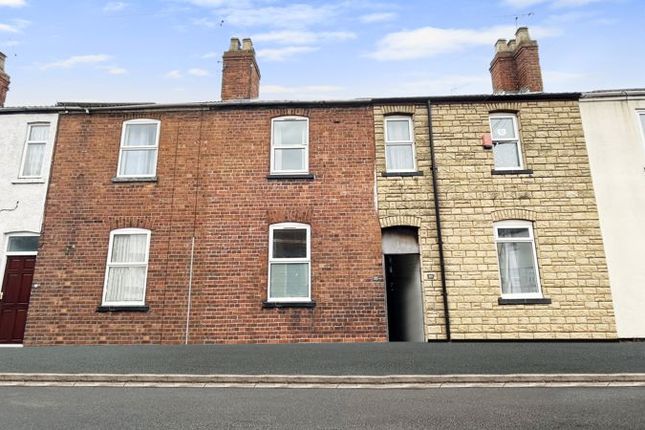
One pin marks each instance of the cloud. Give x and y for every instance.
(521, 4)
(115, 6)
(211, 54)
(114, 70)
(431, 41)
(302, 37)
(205, 22)
(377, 17)
(173, 74)
(289, 16)
(16, 26)
(76, 60)
(300, 92)
(198, 72)
(281, 54)
(443, 85)
(13, 3)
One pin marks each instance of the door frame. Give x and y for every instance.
(4, 262)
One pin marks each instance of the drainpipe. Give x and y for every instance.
(437, 215)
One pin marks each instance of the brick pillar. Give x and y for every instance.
(4, 81)
(516, 65)
(240, 73)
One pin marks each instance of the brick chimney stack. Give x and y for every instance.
(240, 74)
(4, 81)
(516, 66)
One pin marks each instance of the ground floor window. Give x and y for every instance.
(127, 268)
(517, 259)
(289, 262)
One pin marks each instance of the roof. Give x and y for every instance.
(87, 107)
(620, 94)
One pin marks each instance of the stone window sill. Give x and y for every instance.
(511, 172)
(118, 180)
(144, 308)
(272, 305)
(542, 301)
(28, 181)
(302, 177)
(401, 174)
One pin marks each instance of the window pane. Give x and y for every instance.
(398, 130)
(643, 121)
(502, 128)
(33, 159)
(140, 135)
(138, 162)
(516, 264)
(39, 132)
(289, 133)
(399, 157)
(513, 232)
(289, 159)
(129, 248)
(125, 284)
(290, 243)
(289, 280)
(506, 155)
(23, 244)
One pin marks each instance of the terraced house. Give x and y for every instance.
(465, 217)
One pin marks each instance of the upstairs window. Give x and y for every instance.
(289, 262)
(517, 259)
(290, 145)
(506, 142)
(641, 115)
(34, 153)
(127, 268)
(139, 145)
(399, 144)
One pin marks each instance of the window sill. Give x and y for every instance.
(542, 301)
(512, 172)
(144, 308)
(117, 180)
(300, 176)
(272, 305)
(400, 174)
(28, 181)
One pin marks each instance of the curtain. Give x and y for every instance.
(502, 128)
(289, 280)
(398, 130)
(517, 267)
(140, 135)
(399, 157)
(289, 159)
(127, 283)
(506, 154)
(39, 133)
(34, 159)
(289, 133)
(138, 162)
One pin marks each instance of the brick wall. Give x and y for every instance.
(212, 179)
(558, 197)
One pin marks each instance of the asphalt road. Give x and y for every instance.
(461, 408)
(333, 359)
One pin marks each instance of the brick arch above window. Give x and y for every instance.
(401, 220)
(398, 109)
(302, 112)
(513, 213)
(298, 215)
(143, 222)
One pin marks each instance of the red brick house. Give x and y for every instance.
(232, 221)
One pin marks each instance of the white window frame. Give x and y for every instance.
(275, 171)
(124, 148)
(272, 260)
(531, 239)
(28, 142)
(640, 116)
(19, 253)
(410, 142)
(109, 264)
(517, 139)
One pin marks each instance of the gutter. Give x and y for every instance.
(437, 214)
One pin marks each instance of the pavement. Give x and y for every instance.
(406, 365)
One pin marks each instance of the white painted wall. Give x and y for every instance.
(616, 146)
(30, 194)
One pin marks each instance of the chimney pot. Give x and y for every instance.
(512, 45)
(235, 44)
(522, 35)
(247, 45)
(516, 66)
(501, 46)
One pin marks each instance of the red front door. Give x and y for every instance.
(16, 289)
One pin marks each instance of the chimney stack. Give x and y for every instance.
(516, 66)
(4, 81)
(240, 73)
